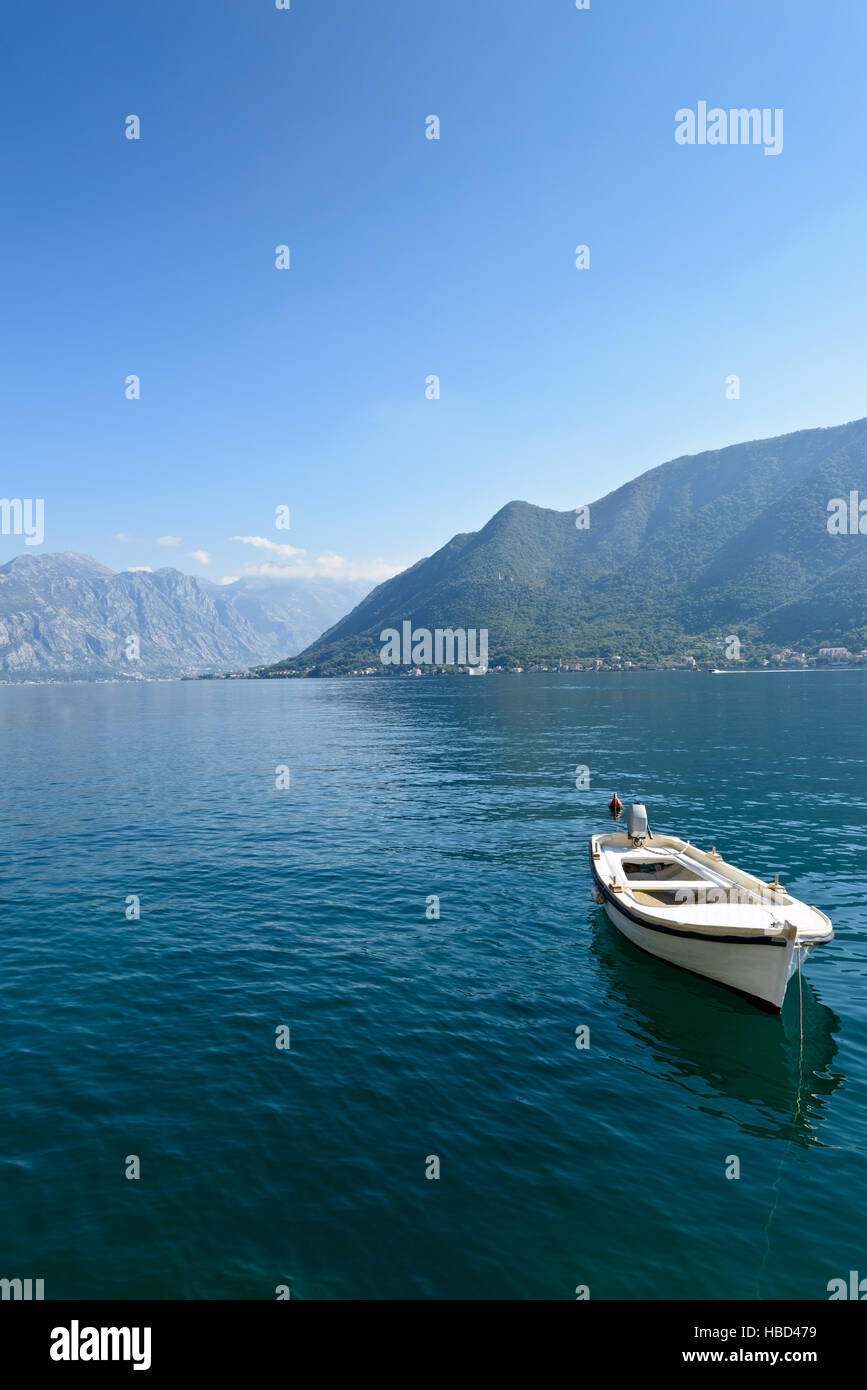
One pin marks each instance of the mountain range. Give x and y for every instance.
(731, 541)
(68, 616)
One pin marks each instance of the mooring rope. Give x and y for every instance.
(800, 1028)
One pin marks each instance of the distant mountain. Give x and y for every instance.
(291, 613)
(66, 615)
(734, 540)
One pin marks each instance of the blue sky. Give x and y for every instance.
(409, 257)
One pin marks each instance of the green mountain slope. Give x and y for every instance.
(733, 540)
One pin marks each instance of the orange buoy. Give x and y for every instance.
(615, 805)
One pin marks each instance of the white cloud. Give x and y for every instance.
(327, 567)
(123, 537)
(336, 567)
(201, 555)
(139, 569)
(262, 543)
(169, 540)
(229, 579)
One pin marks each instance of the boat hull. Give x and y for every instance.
(759, 969)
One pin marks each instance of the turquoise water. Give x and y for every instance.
(410, 1037)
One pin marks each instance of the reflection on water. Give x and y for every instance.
(706, 1034)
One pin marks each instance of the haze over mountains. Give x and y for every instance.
(67, 615)
(734, 540)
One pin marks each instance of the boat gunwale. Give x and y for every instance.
(771, 898)
(744, 937)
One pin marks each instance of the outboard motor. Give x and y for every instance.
(636, 823)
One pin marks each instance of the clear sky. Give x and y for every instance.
(306, 387)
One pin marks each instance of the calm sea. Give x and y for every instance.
(413, 1038)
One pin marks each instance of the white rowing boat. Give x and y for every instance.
(691, 908)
